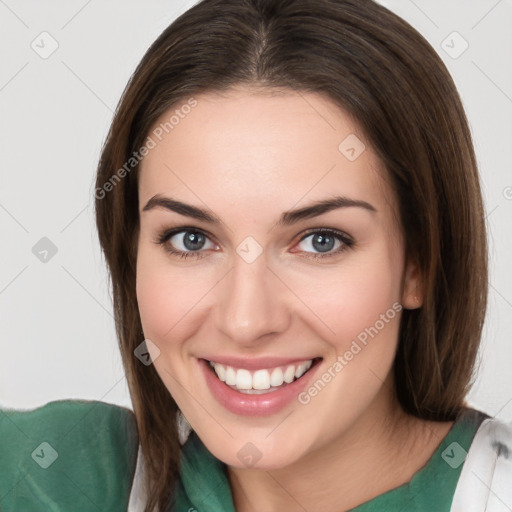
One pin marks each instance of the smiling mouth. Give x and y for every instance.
(264, 380)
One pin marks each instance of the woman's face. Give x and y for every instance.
(270, 286)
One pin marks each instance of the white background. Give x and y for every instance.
(57, 337)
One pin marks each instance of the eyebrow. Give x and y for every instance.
(287, 218)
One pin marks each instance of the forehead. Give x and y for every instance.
(244, 147)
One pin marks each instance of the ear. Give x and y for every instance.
(412, 295)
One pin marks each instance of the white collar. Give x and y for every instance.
(485, 482)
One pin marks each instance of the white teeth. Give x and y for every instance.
(289, 374)
(243, 379)
(230, 376)
(260, 380)
(220, 371)
(276, 378)
(301, 369)
(257, 391)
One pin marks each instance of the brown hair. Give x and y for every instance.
(384, 73)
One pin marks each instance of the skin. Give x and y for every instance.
(248, 155)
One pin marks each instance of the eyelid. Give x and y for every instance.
(327, 230)
(168, 233)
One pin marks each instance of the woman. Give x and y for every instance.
(289, 207)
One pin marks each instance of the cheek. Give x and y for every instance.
(169, 298)
(154, 307)
(156, 301)
(353, 297)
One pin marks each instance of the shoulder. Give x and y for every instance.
(83, 421)
(485, 482)
(67, 455)
(64, 411)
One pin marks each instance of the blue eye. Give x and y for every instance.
(325, 240)
(192, 240)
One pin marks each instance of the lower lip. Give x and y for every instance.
(254, 405)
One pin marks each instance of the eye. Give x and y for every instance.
(324, 241)
(184, 242)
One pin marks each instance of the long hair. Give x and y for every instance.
(385, 74)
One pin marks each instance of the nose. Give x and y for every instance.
(252, 305)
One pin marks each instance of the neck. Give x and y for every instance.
(380, 451)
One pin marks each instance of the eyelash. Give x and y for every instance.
(163, 237)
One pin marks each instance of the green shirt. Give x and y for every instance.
(68, 455)
(204, 485)
(80, 455)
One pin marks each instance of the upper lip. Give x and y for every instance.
(257, 363)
